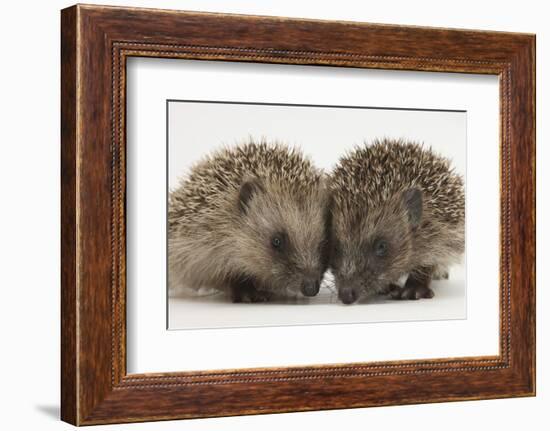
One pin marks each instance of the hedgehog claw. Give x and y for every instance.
(394, 291)
(411, 291)
(417, 292)
(252, 296)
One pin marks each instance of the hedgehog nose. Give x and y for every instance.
(310, 287)
(347, 295)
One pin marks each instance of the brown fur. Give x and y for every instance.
(405, 196)
(223, 217)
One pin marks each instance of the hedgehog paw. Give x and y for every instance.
(417, 292)
(252, 296)
(411, 291)
(259, 296)
(392, 290)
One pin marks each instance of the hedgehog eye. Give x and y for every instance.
(380, 248)
(277, 242)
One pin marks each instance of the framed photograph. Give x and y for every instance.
(265, 214)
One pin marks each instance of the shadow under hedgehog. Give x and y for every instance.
(397, 209)
(251, 220)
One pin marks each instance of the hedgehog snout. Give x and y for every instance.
(348, 295)
(310, 286)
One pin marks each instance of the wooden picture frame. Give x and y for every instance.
(95, 43)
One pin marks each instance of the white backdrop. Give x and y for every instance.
(29, 232)
(322, 133)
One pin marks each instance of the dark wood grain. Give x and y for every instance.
(69, 397)
(96, 41)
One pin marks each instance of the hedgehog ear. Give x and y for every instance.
(412, 198)
(248, 189)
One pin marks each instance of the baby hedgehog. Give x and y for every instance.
(250, 220)
(397, 209)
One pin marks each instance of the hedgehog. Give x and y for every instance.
(397, 210)
(251, 221)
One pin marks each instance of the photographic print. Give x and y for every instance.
(294, 214)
